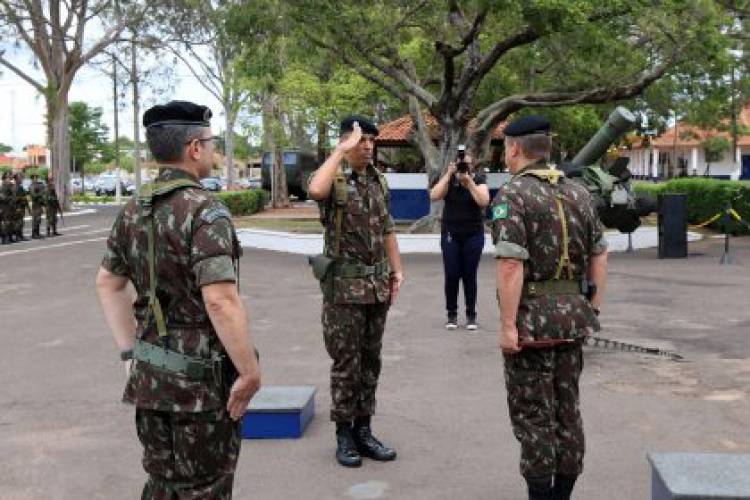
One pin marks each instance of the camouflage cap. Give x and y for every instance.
(177, 113)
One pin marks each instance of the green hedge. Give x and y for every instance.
(244, 202)
(706, 197)
(90, 198)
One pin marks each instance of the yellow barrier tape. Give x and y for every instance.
(734, 214)
(709, 221)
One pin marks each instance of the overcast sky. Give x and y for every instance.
(23, 108)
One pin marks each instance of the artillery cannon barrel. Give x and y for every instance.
(620, 121)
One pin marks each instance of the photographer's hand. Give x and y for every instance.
(465, 179)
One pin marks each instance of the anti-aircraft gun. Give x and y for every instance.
(618, 206)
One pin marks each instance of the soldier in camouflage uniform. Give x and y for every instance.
(184, 329)
(364, 278)
(22, 206)
(37, 194)
(7, 204)
(52, 207)
(550, 252)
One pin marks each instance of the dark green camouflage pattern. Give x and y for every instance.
(52, 206)
(542, 383)
(188, 455)
(543, 403)
(355, 308)
(365, 224)
(37, 195)
(353, 335)
(532, 232)
(21, 207)
(7, 208)
(194, 247)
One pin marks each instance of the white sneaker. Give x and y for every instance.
(471, 324)
(451, 324)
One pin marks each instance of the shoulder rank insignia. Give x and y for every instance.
(215, 212)
(500, 211)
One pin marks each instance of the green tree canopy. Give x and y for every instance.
(88, 135)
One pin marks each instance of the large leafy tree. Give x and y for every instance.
(58, 35)
(470, 64)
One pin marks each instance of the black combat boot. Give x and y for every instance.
(54, 230)
(540, 488)
(367, 444)
(346, 450)
(564, 486)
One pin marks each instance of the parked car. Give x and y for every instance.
(211, 183)
(299, 166)
(107, 185)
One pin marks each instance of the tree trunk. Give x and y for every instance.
(322, 140)
(230, 119)
(60, 147)
(271, 131)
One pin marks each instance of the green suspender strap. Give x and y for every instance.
(340, 197)
(145, 203)
(556, 286)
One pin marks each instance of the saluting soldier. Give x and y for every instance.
(52, 207)
(37, 194)
(364, 278)
(551, 272)
(21, 207)
(193, 369)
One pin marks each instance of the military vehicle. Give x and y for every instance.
(618, 206)
(298, 165)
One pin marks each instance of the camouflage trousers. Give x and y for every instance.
(36, 218)
(51, 214)
(188, 456)
(543, 403)
(353, 335)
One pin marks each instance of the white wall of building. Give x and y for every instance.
(642, 162)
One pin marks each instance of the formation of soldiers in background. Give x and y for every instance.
(14, 203)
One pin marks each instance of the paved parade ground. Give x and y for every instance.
(65, 435)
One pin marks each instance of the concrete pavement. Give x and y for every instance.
(64, 434)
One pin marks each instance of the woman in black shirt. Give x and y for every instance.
(462, 236)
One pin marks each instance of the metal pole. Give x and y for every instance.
(726, 258)
(630, 243)
(136, 112)
(118, 189)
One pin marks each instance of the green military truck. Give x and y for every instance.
(298, 165)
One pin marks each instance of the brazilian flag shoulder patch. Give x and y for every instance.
(500, 211)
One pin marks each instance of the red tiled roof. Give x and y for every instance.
(398, 131)
(692, 136)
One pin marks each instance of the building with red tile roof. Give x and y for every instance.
(679, 151)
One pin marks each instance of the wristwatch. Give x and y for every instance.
(126, 355)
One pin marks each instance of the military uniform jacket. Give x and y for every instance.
(195, 245)
(366, 222)
(36, 192)
(526, 226)
(7, 199)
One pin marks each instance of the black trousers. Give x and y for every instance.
(461, 254)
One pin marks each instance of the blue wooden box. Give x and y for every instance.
(279, 412)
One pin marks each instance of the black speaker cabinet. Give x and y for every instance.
(672, 226)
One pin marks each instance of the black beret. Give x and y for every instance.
(177, 113)
(526, 125)
(347, 125)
